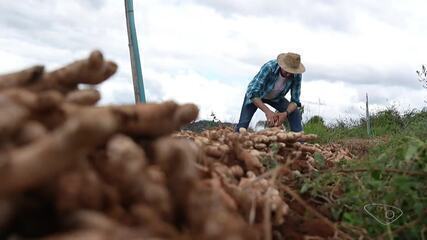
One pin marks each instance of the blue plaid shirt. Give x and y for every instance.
(264, 82)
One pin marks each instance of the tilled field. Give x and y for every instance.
(72, 170)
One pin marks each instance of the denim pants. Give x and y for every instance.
(248, 111)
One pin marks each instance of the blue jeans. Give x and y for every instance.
(248, 111)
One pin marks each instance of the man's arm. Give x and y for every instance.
(256, 86)
(254, 92)
(295, 93)
(270, 115)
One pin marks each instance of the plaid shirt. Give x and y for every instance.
(264, 82)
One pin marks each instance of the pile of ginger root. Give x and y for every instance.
(72, 169)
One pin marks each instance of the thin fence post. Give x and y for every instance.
(368, 119)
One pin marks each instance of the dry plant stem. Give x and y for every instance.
(35, 163)
(265, 175)
(401, 228)
(272, 172)
(423, 232)
(21, 78)
(312, 210)
(360, 232)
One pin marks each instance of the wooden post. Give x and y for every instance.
(368, 119)
(138, 83)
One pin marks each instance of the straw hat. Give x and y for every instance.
(290, 62)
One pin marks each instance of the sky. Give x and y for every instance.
(207, 51)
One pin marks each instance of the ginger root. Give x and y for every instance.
(37, 162)
(152, 119)
(21, 78)
(92, 70)
(86, 97)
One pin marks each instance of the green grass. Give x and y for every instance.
(384, 123)
(394, 173)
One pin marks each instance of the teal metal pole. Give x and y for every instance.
(138, 83)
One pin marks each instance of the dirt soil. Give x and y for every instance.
(360, 146)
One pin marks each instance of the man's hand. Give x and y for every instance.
(281, 119)
(270, 115)
(272, 118)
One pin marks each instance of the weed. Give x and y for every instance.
(394, 173)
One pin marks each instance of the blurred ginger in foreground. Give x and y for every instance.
(70, 169)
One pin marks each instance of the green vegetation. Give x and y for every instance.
(393, 172)
(202, 125)
(384, 123)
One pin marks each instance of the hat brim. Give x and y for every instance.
(281, 62)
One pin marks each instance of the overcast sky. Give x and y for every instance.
(207, 51)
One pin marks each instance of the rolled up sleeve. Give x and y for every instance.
(296, 90)
(256, 86)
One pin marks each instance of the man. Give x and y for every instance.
(275, 79)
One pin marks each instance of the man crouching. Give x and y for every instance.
(269, 86)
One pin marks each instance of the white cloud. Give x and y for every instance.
(210, 95)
